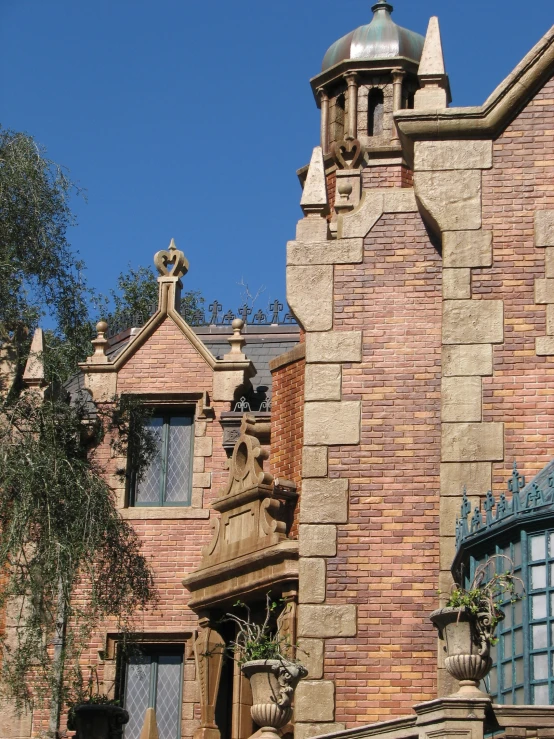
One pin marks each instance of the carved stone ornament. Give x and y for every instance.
(254, 511)
(348, 153)
(209, 650)
(173, 256)
(467, 642)
(273, 683)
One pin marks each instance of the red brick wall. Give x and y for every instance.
(388, 553)
(391, 175)
(287, 409)
(520, 182)
(166, 363)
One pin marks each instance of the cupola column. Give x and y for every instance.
(397, 79)
(324, 101)
(352, 81)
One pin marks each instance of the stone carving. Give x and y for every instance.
(173, 256)
(209, 649)
(254, 510)
(348, 153)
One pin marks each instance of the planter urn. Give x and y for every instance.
(273, 683)
(97, 721)
(467, 642)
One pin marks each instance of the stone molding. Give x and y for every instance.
(295, 354)
(496, 113)
(373, 204)
(338, 251)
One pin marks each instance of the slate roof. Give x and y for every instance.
(263, 343)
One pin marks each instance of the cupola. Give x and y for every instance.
(380, 39)
(366, 77)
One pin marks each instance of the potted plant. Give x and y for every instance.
(469, 619)
(264, 659)
(93, 715)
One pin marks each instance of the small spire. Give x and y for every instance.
(314, 196)
(382, 5)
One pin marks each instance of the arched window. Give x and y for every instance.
(375, 111)
(337, 117)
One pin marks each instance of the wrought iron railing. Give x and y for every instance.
(275, 315)
(524, 499)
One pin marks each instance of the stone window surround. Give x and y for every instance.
(202, 448)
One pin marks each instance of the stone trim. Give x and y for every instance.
(373, 203)
(491, 118)
(544, 287)
(293, 355)
(163, 513)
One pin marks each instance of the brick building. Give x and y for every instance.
(422, 279)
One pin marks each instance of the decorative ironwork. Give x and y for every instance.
(215, 309)
(196, 317)
(265, 405)
(523, 501)
(242, 406)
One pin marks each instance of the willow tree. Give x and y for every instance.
(67, 558)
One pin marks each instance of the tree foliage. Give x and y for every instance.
(64, 546)
(67, 558)
(39, 274)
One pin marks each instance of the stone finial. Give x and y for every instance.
(435, 87)
(314, 197)
(99, 343)
(33, 375)
(173, 256)
(237, 341)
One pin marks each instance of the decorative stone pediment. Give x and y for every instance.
(251, 535)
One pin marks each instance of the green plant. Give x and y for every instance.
(258, 640)
(488, 589)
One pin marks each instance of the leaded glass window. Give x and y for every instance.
(168, 479)
(523, 669)
(154, 680)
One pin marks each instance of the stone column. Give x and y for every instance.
(324, 100)
(397, 77)
(352, 81)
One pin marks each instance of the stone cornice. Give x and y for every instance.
(496, 113)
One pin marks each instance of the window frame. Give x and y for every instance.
(155, 651)
(166, 413)
(520, 691)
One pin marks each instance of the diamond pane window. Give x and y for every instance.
(154, 681)
(168, 479)
(523, 660)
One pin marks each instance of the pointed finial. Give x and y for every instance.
(382, 5)
(173, 256)
(34, 369)
(314, 196)
(434, 92)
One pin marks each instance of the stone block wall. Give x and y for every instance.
(518, 206)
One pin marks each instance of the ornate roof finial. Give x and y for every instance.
(382, 5)
(173, 256)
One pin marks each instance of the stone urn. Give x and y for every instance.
(467, 643)
(97, 721)
(273, 683)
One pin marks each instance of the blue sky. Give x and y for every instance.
(189, 119)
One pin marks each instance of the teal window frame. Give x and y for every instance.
(162, 502)
(512, 679)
